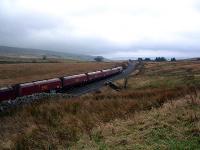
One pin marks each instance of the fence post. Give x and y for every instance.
(125, 82)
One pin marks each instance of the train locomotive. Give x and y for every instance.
(55, 84)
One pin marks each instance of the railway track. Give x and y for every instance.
(99, 84)
(77, 91)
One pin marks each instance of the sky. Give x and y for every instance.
(110, 28)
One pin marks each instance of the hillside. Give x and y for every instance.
(15, 52)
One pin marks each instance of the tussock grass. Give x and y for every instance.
(175, 125)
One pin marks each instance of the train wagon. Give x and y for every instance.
(50, 85)
(120, 68)
(74, 80)
(99, 75)
(92, 76)
(106, 72)
(117, 70)
(7, 93)
(114, 71)
(25, 89)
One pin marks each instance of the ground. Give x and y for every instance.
(160, 109)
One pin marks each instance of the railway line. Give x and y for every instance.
(72, 92)
(98, 84)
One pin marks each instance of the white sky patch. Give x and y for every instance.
(121, 21)
(151, 54)
(118, 22)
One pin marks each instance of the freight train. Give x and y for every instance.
(55, 84)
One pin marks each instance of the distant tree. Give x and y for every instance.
(140, 59)
(99, 58)
(34, 61)
(173, 59)
(163, 59)
(147, 59)
(160, 59)
(44, 57)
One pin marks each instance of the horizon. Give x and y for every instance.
(114, 29)
(116, 58)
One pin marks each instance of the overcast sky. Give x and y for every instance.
(112, 28)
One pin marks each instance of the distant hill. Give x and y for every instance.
(195, 59)
(15, 52)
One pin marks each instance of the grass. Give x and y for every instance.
(175, 125)
(25, 72)
(156, 111)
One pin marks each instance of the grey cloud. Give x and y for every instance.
(21, 30)
(17, 30)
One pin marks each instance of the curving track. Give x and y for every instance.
(98, 84)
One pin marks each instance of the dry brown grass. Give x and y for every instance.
(175, 125)
(61, 124)
(172, 68)
(17, 73)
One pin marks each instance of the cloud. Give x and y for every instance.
(110, 28)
